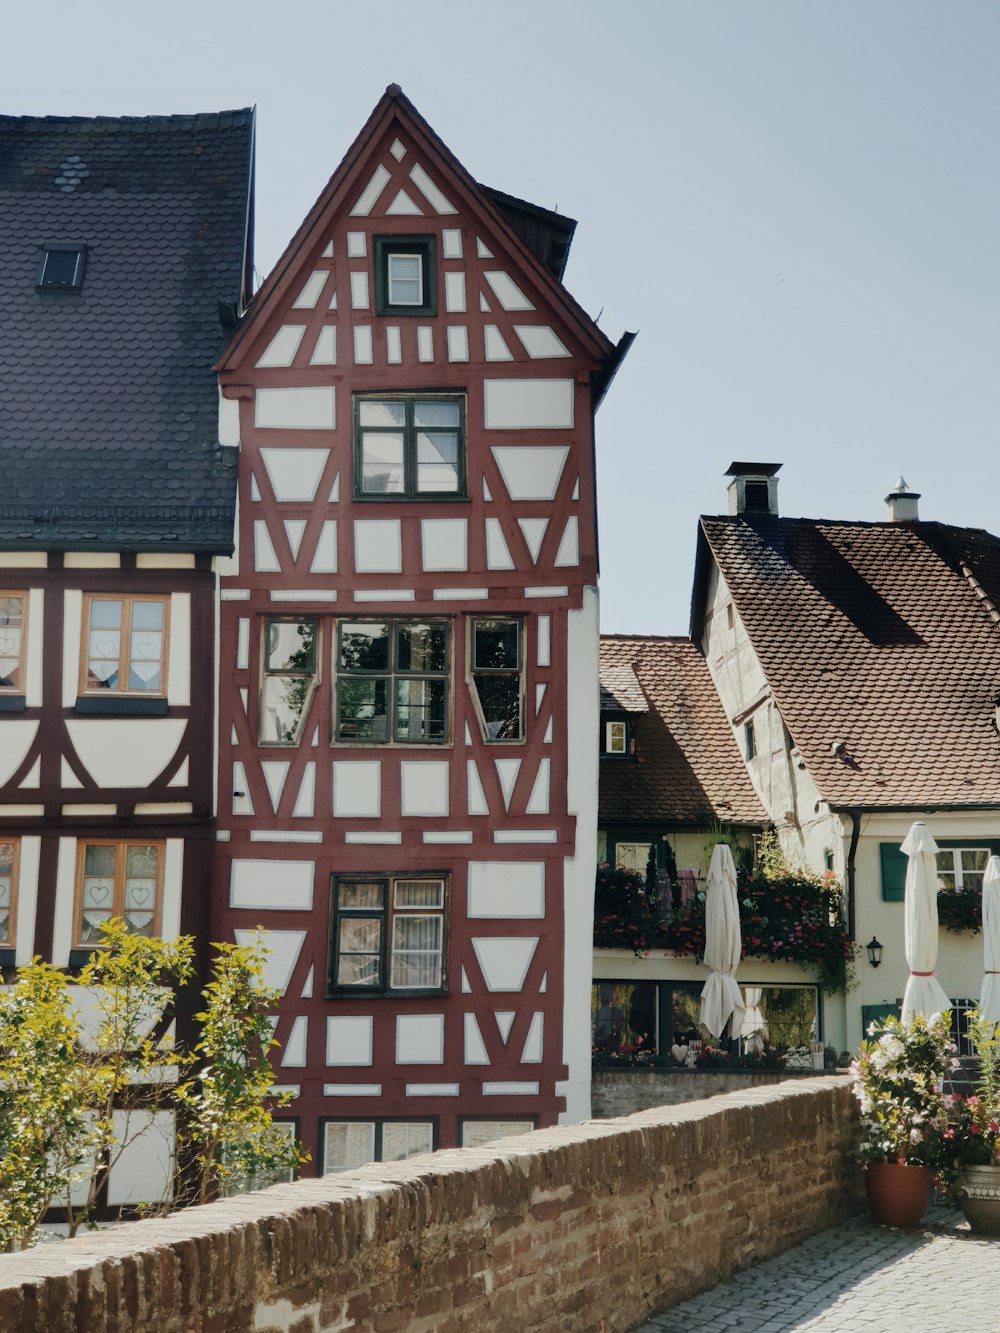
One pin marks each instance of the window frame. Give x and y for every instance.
(20, 689)
(521, 670)
(409, 430)
(377, 1124)
(957, 870)
(749, 741)
(85, 689)
(118, 892)
(387, 916)
(422, 244)
(8, 942)
(626, 749)
(466, 1120)
(316, 675)
(391, 676)
(48, 248)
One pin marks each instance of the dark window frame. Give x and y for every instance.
(426, 247)
(378, 1123)
(409, 431)
(44, 284)
(386, 915)
(391, 675)
(474, 670)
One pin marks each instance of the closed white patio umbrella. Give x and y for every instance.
(989, 998)
(753, 1029)
(924, 993)
(720, 997)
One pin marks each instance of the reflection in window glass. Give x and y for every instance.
(289, 679)
(6, 893)
(496, 675)
(11, 641)
(392, 681)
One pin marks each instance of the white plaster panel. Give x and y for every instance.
(547, 590)
(311, 408)
(265, 560)
(475, 1047)
(539, 697)
(495, 345)
(397, 150)
(357, 788)
(504, 960)
(349, 1039)
(33, 662)
(67, 778)
(307, 988)
(371, 192)
(379, 838)
(514, 835)
(293, 1056)
(505, 1021)
(466, 984)
(16, 737)
(294, 528)
(506, 889)
(335, 490)
(24, 560)
(425, 343)
(533, 530)
(92, 560)
(429, 190)
(173, 876)
(540, 341)
(378, 547)
(510, 1089)
(180, 778)
(506, 290)
(333, 300)
(419, 1039)
(242, 644)
(530, 472)
(454, 292)
(143, 1169)
(448, 835)
(362, 345)
(458, 342)
(528, 404)
(507, 771)
(475, 796)
(275, 771)
(285, 886)
(433, 1089)
(305, 800)
(357, 245)
(72, 614)
(125, 752)
(569, 544)
(352, 1089)
(484, 305)
(229, 422)
(27, 899)
(403, 205)
(283, 949)
(424, 787)
(33, 777)
(242, 804)
(460, 594)
(544, 650)
(482, 250)
(62, 929)
(324, 560)
(327, 251)
(179, 661)
(498, 554)
(294, 473)
(538, 801)
(487, 493)
(254, 494)
(393, 345)
(284, 835)
(325, 351)
(444, 544)
(384, 595)
(309, 296)
(281, 350)
(451, 243)
(164, 560)
(359, 290)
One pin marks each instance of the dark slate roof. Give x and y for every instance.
(548, 235)
(687, 768)
(108, 401)
(881, 636)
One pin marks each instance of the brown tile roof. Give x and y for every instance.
(883, 636)
(687, 768)
(620, 689)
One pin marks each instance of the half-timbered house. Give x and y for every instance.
(408, 655)
(122, 243)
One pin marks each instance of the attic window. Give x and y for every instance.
(60, 267)
(405, 282)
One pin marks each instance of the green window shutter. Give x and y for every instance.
(893, 872)
(878, 1013)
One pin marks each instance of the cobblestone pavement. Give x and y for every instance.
(857, 1276)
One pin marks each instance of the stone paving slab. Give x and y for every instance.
(855, 1278)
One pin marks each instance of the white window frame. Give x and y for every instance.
(390, 279)
(957, 871)
(370, 1145)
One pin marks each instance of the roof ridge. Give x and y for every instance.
(894, 524)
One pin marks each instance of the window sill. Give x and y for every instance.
(121, 705)
(13, 703)
(357, 993)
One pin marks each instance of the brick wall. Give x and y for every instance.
(617, 1092)
(582, 1228)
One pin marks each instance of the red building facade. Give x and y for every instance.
(408, 656)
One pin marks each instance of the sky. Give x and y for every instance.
(796, 203)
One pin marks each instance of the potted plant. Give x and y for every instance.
(898, 1080)
(971, 1169)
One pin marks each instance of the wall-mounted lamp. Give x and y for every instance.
(874, 951)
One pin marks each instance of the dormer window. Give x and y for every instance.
(617, 740)
(60, 267)
(405, 282)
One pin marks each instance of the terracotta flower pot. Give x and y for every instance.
(897, 1194)
(979, 1197)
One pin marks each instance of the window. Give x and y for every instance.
(388, 934)
(477, 1132)
(279, 1133)
(117, 879)
(405, 281)
(351, 1143)
(392, 681)
(60, 267)
(962, 867)
(410, 445)
(749, 742)
(496, 658)
(959, 867)
(125, 645)
(288, 679)
(8, 891)
(616, 738)
(13, 623)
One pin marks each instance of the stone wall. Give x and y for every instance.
(616, 1092)
(589, 1227)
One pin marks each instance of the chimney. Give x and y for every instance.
(901, 504)
(754, 488)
